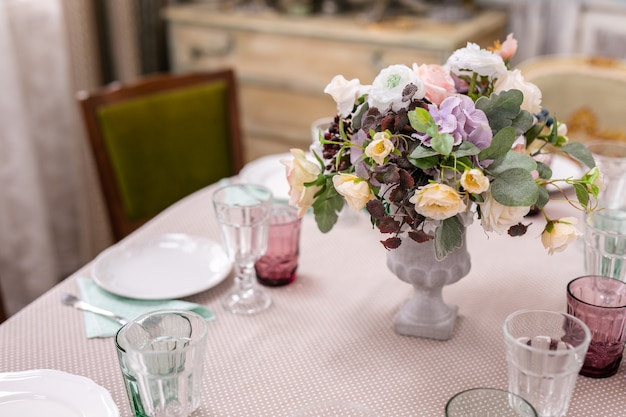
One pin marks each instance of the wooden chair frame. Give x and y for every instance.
(91, 102)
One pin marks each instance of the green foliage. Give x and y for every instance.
(448, 236)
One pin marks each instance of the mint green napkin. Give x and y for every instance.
(98, 326)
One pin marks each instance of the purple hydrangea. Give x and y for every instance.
(458, 116)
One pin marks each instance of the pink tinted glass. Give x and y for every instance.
(600, 302)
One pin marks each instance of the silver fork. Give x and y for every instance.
(73, 301)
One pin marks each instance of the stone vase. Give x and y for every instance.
(425, 314)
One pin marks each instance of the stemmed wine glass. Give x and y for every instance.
(243, 212)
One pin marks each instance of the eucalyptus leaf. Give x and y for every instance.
(466, 148)
(511, 160)
(543, 199)
(422, 152)
(501, 108)
(544, 170)
(500, 144)
(515, 187)
(326, 206)
(579, 152)
(425, 163)
(448, 236)
(442, 143)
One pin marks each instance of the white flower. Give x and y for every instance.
(437, 201)
(300, 171)
(379, 147)
(511, 80)
(355, 190)
(474, 181)
(344, 92)
(497, 217)
(558, 234)
(472, 58)
(386, 91)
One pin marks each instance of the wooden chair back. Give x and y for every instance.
(161, 138)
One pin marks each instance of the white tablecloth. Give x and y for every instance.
(329, 335)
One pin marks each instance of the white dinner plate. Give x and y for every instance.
(564, 167)
(268, 171)
(50, 393)
(170, 266)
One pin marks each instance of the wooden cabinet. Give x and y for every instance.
(283, 63)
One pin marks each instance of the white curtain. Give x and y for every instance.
(51, 216)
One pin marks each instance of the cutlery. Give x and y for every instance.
(73, 301)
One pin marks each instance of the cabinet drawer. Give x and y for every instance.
(306, 64)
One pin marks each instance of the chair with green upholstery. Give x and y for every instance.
(160, 139)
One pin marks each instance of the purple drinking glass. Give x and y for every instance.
(278, 265)
(600, 302)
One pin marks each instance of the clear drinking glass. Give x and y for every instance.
(243, 212)
(545, 350)
(488, 402)
(161, 355)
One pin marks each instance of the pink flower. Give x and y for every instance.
(439, 84)
(508, 48)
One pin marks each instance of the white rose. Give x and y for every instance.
(559, 234)
(511, 80)
(472, 58)
(497, 217)
(437, 201)
(474, 181)
(344, 92)
(300, 171)
(386, 90)
(355, 190)
(380, 147)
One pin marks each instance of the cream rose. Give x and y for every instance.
(437, 201)
(300, 171)
(439, 84)
(344, 92)
(386, 91)
(497, 217)
(474, 181)
(558, 234)
(380, 147)
(514, 80)
(355, 190)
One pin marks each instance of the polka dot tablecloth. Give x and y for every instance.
(329, 336)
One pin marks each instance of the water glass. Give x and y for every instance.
(488, 402)
(279, 264)
(545, 350)
(601, 303)
(605, 244)
(243, 213)
(610, 157)
(161, 355)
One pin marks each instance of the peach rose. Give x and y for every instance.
(439, 84)
(497, 217)
(300, 171)
(508, 48)
(356, 191)
(558, 234)
(437, 201)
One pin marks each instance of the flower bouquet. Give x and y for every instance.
(428, 148)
